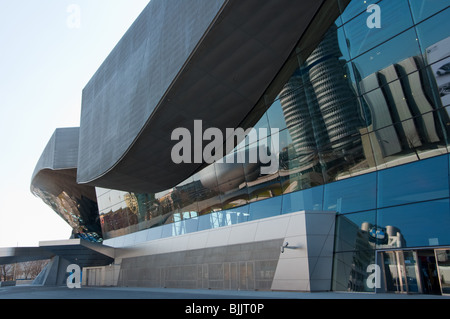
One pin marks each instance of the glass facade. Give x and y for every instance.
(363, 123)
(76, 204)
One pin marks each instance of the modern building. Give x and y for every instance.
(360, 199)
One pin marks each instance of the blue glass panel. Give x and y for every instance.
(223, 218)
(420, 224)
(187, 226)
(351, 195)
(231, 216)
(166, 230)
(400, 48)
(204, 222)
(276, 116)
(178, 228)
(355, 231)
(440, 81)
(237, 215)
(308, 199)
(435, 136)
(418, 181)
(350, 271)
(154, 233)
(422, 9)
(354, 8)
(434, 36)
(299, 166)
(343, 45)
(395, 18)
(265, 208)
(262, 122)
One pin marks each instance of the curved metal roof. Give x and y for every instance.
(181, 60)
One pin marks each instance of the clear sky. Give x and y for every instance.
(49, 50)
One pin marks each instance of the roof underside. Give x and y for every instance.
(181, 61)
(80, 252)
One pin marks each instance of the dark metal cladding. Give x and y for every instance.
(180, 61)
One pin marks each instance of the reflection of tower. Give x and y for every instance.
(335, 97)
(298, 103)
(319, 105)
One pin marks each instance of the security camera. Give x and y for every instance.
(286, 246)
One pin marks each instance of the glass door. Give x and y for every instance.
(401, 271)
(393, 276)
(443, 267)
(428, 272)
(425, 271)
(412, 274)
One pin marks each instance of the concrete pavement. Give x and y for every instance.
(43, 292)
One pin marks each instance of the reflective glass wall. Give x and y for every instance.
(362, 128)
(74, 203)
(401, 84)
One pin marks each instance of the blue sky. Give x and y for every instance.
(45, 61)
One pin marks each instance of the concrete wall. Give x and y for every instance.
(244, 256)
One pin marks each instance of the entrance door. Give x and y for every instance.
(443, 267)
(401, 273)
(428, 271)
(393, 274)
(412, 274)
(425, 271)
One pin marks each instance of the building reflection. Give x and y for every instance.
(322, 114)
(401, 110)
(338, 125)
(76, 204)
(356, 244)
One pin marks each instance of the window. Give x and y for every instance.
(416, 225)
(419, 181)
(308, 199)
(395, 18)
(423, 9)
(351, 195)
(265, 208)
